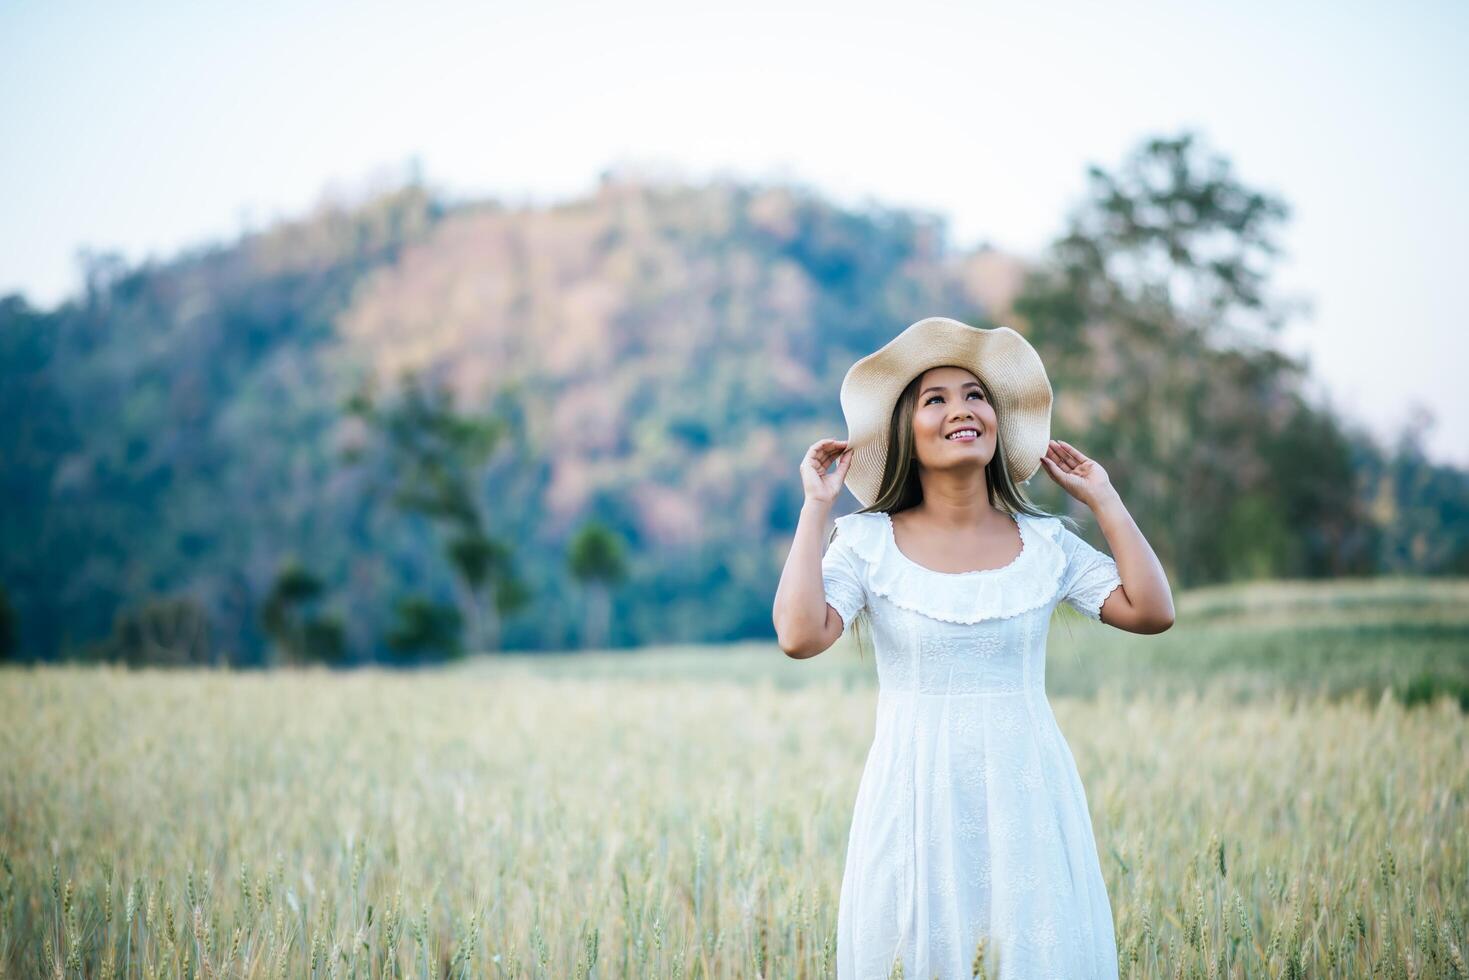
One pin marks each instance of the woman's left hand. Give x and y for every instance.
(1082, 477)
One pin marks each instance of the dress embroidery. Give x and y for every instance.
(970, 819)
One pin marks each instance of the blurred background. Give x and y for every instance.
(486, 339)
(359, 333)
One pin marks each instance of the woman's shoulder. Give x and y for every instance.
(1029, 581)
(871, 527)
(1049, 524)
(868, 530)
(861, 531)
(860, 519)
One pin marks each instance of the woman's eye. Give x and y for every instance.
(934, 398)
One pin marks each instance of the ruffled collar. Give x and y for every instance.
(1030, 580)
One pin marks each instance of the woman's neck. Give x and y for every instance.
(956, 500)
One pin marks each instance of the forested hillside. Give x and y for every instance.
(198, 457)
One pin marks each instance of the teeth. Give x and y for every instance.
(955, 435)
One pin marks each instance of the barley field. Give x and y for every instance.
(1278, 786)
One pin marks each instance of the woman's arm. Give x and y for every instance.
(1144, 603)
(805, 624)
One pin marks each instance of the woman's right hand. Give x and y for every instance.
(820, 485)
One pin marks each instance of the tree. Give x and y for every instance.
(162, 632)
(9, 646)
(596, 560)
(434, 455)
(40, 542)
(425, 626)
(1153, 316)
(299, 636)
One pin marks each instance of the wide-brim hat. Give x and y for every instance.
(1000, 357)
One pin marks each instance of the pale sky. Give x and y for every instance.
(150, 127)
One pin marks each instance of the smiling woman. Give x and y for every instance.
(971, 828)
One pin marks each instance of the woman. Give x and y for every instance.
(971, 824)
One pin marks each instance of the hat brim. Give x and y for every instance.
(1000, 357)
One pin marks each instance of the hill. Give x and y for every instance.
(662, 355)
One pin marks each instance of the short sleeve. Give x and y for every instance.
(1089, 577)
(841, 578)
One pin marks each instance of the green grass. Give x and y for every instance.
(1333, 640)
(1259, 805)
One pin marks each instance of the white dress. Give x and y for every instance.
(970, 818)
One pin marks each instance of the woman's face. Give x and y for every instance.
(954, 424)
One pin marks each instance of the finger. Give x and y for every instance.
(1066, 456)
(820, 449)
(828, 447)
(1080, 456)
(1058, 471)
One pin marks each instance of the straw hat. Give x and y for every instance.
(1001, 358)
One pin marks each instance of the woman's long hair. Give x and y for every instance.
(900, 488)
